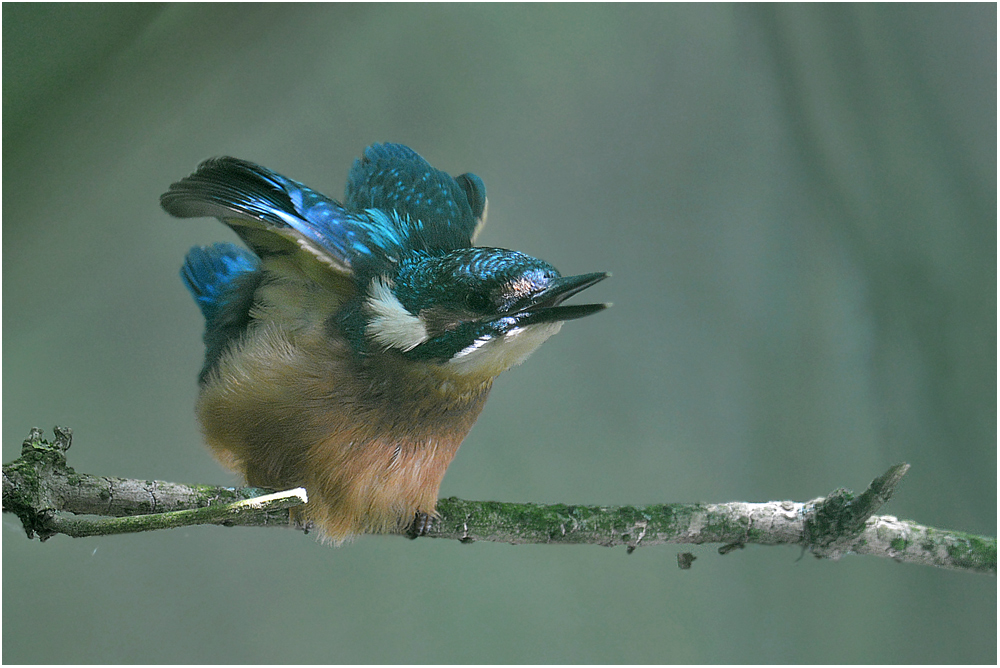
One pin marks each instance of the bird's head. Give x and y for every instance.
(475, 312)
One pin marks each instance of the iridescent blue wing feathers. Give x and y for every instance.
(395, 203)
(271, 213)
(475, 192)
(442, 212)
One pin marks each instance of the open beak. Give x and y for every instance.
(544, 306)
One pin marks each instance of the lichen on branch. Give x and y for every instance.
(51, 498)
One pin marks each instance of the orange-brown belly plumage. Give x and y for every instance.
(370, 450)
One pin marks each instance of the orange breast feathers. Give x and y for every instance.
(369, 445)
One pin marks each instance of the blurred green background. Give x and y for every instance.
(798, 204)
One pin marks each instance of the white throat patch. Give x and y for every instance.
(391, 324)
(489, 357)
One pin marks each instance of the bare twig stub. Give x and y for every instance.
(50, 497)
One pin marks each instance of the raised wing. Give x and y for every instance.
(396, 203)
(446, 212)
(271, 213)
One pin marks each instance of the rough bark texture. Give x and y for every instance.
(44, 492)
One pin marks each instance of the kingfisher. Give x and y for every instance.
(351, 347)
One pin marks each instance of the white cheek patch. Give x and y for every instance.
(391, 324)
(492, 356)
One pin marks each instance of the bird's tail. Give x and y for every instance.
(223, 279)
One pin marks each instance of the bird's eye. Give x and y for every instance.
(477, 301)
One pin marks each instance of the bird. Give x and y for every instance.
(351, 346)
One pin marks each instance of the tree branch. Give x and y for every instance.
(40, 488)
